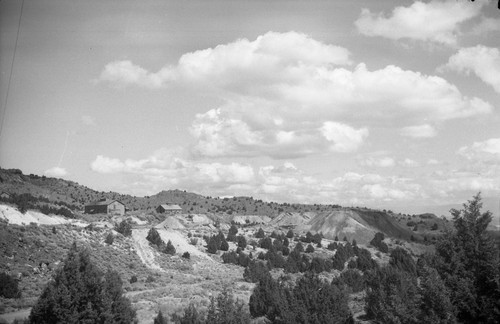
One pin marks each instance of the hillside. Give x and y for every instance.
(33, 242)
(13, 181)
(331, 220)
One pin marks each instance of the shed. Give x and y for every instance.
(169, 209)
(105, 206)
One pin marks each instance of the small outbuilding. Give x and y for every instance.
(105, 206)
(169, 209)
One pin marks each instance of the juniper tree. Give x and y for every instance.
(81, 293)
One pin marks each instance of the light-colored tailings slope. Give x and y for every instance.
(144, 250)
(13, 216)
(342, 223)
(180, 243)
(292, 219)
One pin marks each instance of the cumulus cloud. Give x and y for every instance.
(407, 162)
(343, 138)
(123, 73)
(88, 120)
(286, 95)
(220, 133)
(163, 168)
(481, 60)
(485, 150)
(380, 162)
(56, 172)
(434, 21)
(419, 131)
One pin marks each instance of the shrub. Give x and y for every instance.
(9, 286)
(377, 242)
(150, 278)
(133, 279)
(309, 248)
(109, 239)
(124, 228)
(186, 255)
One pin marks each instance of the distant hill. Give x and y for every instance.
(56, 190)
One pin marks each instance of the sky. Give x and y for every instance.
(386, 104)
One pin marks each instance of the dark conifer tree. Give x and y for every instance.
(169, 248)
(260, 233)
(81, 293)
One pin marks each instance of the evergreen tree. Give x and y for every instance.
(212, 245)
(231, 236)
(224, 246)
(242, 242)
(299, 247)
(191, 316)
(169, 248)
(468, 262)
(289, 234)
(154, 238)
(160, 319)
(436, 306)
(225, 310)
(392, 296)
(260, 233)
(81, 293)
(402, 260)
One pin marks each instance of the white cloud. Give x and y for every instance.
(485, 150)
(56, 172)
(377, 191)
(279, 89)
(88, 120)
(434, 21)
(123, 73)
(220, 134)
(483, 61)
(344, 138)
(381, 162)
(419, 131)
(163, 168)
(407, 162)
